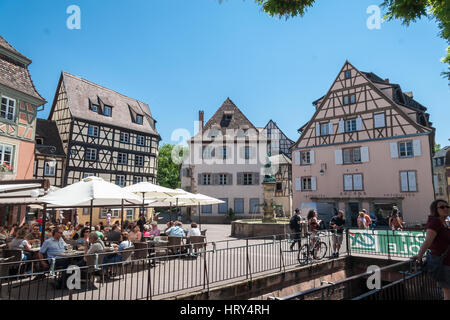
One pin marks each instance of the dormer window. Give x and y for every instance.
(139, 119)
(228, 117)
(95, 108)
(107, 111)
(348, 74)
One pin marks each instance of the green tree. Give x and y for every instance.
(406, 10)
(437, 147)
(168, 169)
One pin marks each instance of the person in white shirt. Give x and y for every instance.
(194, 231)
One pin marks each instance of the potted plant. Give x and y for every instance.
(4, 167)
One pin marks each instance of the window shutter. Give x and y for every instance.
(412, 181)
(256, 178)
(436, 183)
(242, 153)
(330, 128)
(200, 179)
(380, 121)
(341, 126)
(240, 178)
(313, 183)
(297, 157)
(311, 156)
(404, 181)
(317, 130)
(394, 150)
(252, 152)
(215, 179)
(364, 154)
(357, 182)
(298, 184)
(359, 125)
(348, 182)
(417, 148)
(230, 179)
(338, 156)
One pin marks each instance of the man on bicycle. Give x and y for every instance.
(313, 225)
(337, 224)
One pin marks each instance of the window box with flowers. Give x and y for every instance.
(6, 171)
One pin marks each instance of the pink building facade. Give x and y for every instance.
(368, 146)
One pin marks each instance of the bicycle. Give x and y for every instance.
(318, 251)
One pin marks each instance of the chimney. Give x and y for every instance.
(386, 80)
(201, 119)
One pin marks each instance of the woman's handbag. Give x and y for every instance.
(434, 266)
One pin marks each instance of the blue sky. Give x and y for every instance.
(183, 56)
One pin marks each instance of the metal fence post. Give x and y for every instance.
(388, 246)
(347, 240)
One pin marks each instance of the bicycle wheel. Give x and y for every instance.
(303, 254)
(320, 250)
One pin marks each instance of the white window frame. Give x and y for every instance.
(140, 140)
(206, 177)
(49, 171)
(7, 110)
(121, 180)
(349, 125)
(223, 179)
(90, 151)
(324, 129)
(93, 131)
(3, 148)
(122, 137)
(139, 161)
(110, 111)
(122, 158)
(305, 157)
(405, 143)
(137, 179)
(247, 179)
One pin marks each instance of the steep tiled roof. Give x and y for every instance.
(81, 93)
(14, 74)
(47, 130)
(238, 119)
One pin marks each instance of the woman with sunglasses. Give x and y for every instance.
(438, 240)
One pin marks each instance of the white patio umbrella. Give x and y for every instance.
(198, 199)
(153, 192)
(91, 191)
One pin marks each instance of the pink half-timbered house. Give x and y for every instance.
(368, 146)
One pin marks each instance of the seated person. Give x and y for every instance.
(99, 232)
(135, 235)
(83, 240)
(35, 235)
(155, 231)
(114, 234)
(50, 248)
(124, 244)
(19, 243)
(146, 231)
(194, 231)
(97, 246)
(176, 230)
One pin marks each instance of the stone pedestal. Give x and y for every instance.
(269, 211)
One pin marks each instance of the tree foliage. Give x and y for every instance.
(406, 10)
(168, 171)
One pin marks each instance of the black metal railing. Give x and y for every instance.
(162, 272)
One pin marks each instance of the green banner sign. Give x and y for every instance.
(384, 242)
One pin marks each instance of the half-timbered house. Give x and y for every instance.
(18, 108)
(104, 134)
(227, 159)
(49, 153)
(368, 145)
